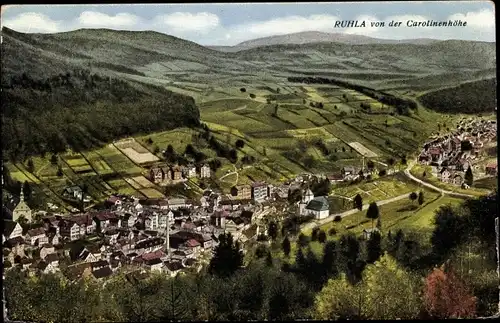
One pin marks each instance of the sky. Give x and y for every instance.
(230, 24)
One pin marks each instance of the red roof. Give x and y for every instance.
(113, 199)
(192, 243)
(105, 215)
(335, 177)
(492, 165)
(435, 151)
(153, 255)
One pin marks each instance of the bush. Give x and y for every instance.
(332, 231)
(337, 218)
(243, 89)
(252, 95)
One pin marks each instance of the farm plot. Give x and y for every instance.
(317, 132)
(121, 186)
(118, 161)
(78, 164)
(96, 161)
(298, 121)
(137, 153)
(227, 105)
(178, 138)
(143, 181)
(362, 150)
(151, 193)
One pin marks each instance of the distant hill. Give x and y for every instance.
(471, 98)
(318, 37)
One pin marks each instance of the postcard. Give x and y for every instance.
(249, 161)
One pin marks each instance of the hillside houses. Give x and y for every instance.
(163, 174)
(453, 154)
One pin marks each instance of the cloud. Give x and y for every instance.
(285, 25)
(32, 22)
(480, 19)
(367, 30)
(185, 22)
(100, 20)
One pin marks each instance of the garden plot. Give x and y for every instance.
(362, 150)
(137, 153)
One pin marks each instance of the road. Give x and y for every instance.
(228, 174)
(432, 187)
(317, 223)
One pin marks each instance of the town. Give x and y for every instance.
(176, 234)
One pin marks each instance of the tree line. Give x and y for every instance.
(80, 110)
(387, 276)
(402, 105)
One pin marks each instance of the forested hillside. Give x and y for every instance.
(473, 97)
(80, 109)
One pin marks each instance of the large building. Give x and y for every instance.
(241, 192)
(259, 192)
(21, 210)
(319, 207)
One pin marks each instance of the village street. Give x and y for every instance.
(318, 223)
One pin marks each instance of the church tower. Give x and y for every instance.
(167, 236)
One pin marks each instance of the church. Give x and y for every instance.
(316, 206)
(20, 210)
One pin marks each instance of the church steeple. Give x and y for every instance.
(21, 197)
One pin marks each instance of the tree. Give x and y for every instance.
(391, 161)
(403, 300)
(322, 236)
(269, 259)
(448, 230)
(420, 198)
(27, 190)
(403, 160)
(302, 240)
(413, 196)
(374, 247)
(149, 141)
(59, 171)
(370, 164)
(30, 167)
(243, 90)
(329, 261)
(372, 212)
(447, 296)
(379, 224)
(314, 234)
(240, 144)
(272, 230)
(286, 247)
(156, 150)
(469, 177)
(358, 202)
(170, 150)
(349, 255)
(53, 159)
(227, 257)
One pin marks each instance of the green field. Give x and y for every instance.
(403, 214)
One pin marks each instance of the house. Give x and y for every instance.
(491, 169)
(114, 200)
(46, 250)
(348, 171)
(194, 245)
(436, 154)
(156, 175)
(307, 197)
(177, 172)
(36, 236)
(167, 173)
(259, 191)
(190, 171)
(154, 264)
(99, 264)
(21, 210)
(424, 158)
(241, 192)
(367, 233)
(105, 219)
(457, 180)
(12, 229)
(205, 171)
(319, 207)
(76, 193)
(102, 273)
(444, 175)
(77, 271)
(335, 178)
(89, 256)
(173, 267)
(177, 203)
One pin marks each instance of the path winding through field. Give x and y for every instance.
(318, 223)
